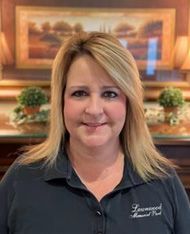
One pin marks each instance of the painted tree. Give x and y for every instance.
(62, 27)
(124, 29)
(46, 27)
(151, 28)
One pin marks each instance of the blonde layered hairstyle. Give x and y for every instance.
(135, 138)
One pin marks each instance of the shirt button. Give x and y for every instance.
(98, 213)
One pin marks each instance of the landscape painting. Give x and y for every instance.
(40, 31)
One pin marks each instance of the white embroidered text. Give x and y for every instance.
(141, 212)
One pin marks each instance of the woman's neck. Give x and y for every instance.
(95, 164)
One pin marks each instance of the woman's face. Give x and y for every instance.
(94, 106)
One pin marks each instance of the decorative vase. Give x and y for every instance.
(169, 112)
(30, 110)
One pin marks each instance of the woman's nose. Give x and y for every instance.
(94, 106)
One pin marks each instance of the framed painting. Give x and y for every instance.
(147, 33)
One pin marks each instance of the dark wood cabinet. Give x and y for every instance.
(178, 150)
(10, 149)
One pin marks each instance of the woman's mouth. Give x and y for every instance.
(94, 125)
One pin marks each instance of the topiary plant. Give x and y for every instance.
(28, 109)
(32, 97)
(171, 97)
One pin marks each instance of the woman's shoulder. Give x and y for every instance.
(170, 176)
(172, 185)
(18, 171)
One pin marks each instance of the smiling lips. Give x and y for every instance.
(94, 125)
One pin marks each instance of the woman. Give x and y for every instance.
(98, 171)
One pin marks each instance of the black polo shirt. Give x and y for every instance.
(37, 200)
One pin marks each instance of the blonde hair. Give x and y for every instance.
(135, 138)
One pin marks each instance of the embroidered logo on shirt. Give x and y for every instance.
(138, 211)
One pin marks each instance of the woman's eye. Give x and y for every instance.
(110, 94)
(79, 93)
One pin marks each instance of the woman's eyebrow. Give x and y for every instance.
(78, 87)
(110, 87)
(104, 87)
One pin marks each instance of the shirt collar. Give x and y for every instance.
(130, 176)
(63, 169)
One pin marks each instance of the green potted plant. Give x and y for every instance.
(31, 99)
(171, 99)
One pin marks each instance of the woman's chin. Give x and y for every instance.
(95, 142)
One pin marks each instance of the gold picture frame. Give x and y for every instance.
(41, 30)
